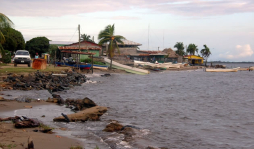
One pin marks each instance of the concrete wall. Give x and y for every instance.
(97, 54)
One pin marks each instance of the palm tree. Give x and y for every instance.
(107, 36)
(192, 48)
(180, 48)
(5, 22)
(205, 53)
(85, 37)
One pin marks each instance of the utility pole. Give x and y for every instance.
(79, 37)
(79, 46)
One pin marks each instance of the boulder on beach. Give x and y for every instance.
(27, 123)
(93, 113)
(23, 122)
(2, 98)
(113, 127)
(80, 104)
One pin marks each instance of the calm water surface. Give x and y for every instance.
(181, 109)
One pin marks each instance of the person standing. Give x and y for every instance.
(36, 56)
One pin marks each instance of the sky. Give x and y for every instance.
(225, 26)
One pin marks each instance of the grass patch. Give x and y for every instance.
(3, 64)
(45, 127)
(76, 147)
(18, 70)
(9, 146)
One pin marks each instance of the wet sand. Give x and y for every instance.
(9, 135)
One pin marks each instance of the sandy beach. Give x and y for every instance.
(18, 138)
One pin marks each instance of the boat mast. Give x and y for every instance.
(163, 39)
(148, 36)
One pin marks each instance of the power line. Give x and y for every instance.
(73, 34)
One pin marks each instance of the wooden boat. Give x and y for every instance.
(102, 67)
(137, 63)
(221, 70)
(164, 65)
(81, 66)
(126, 68)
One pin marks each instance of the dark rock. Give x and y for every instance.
(113, 127)
(106, 75)
(128, 133)
(80, 104)
(27, 123)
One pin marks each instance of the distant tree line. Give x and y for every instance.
(192, 49)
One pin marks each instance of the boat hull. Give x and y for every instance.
(81, 66)
(102, 67)
(221, 70)
(126, 68)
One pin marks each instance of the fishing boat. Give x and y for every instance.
(81, 65)
(102, 67)
(137, 63)
(126, 68)
(221, 70)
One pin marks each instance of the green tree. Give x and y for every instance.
(180, 48)
(107, 36)
(14, 40)
(85, 37)
(37, 45)
(52, 51)
(205, 53)
(192, 48)
(5, 22)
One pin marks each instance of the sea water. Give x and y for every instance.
(174, 109)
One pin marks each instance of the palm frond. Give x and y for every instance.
(104, 40)
(2, 38)
(5, 21)
(119, 39)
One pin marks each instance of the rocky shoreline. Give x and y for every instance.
(83, 109)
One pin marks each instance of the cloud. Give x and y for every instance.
(206, 7)
(58, 8)
(239, 52)
(124, 18)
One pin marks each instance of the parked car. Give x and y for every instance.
(22, 57)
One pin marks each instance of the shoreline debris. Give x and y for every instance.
(93, 114)
(40, 81)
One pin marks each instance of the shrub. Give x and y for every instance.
(6, 56)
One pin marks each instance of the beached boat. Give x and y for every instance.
(81, 66)
(126, 68)
(221, 70)
(137, 63)
(102, 67)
